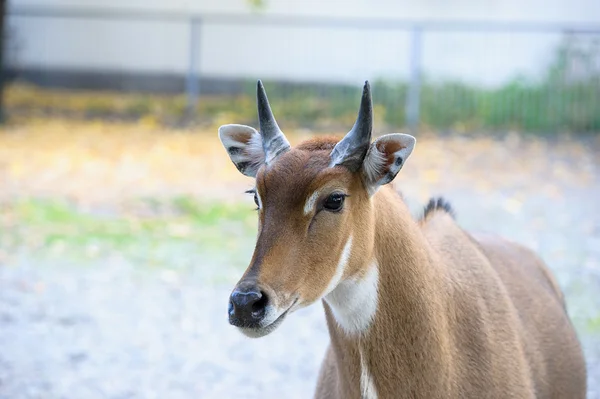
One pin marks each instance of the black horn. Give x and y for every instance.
(274, 141)
(351, 150)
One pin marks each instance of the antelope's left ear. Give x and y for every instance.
(385, 158)
(244, 146)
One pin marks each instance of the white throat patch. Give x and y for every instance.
(353, 302)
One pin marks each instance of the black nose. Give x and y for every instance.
(247, 307)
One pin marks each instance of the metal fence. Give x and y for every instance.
(418, 32)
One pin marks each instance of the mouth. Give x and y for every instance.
(257, 332)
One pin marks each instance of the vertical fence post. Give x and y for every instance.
(413, 98)
(192, 79)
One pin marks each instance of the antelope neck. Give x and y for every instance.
(397, 306)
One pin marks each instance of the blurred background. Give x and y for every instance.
(124, 226)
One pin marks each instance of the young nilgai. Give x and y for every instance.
(415, 308)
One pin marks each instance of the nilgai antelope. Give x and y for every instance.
(414, 308)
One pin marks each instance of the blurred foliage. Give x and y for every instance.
(257, 5)
(593, 324)
(567, 98)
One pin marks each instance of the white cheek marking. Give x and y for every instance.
(310, 203)
(367, 386)
(341, 266)
(354, 301)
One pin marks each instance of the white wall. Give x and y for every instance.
(323, 54)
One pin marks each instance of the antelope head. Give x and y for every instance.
(315, 213)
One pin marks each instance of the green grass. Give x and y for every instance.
(180, 233)
(593, 325)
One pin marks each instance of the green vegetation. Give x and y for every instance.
(593, 325)
(567, 98)
(180, 233)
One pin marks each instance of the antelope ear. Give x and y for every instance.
(244, 146)
(385, 158)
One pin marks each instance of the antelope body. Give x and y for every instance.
(415, 308)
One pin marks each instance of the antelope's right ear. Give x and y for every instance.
(244, 146)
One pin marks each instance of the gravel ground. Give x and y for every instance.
(112, 330)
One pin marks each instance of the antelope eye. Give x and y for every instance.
(334, 202)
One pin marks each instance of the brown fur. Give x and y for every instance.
(458, 316)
